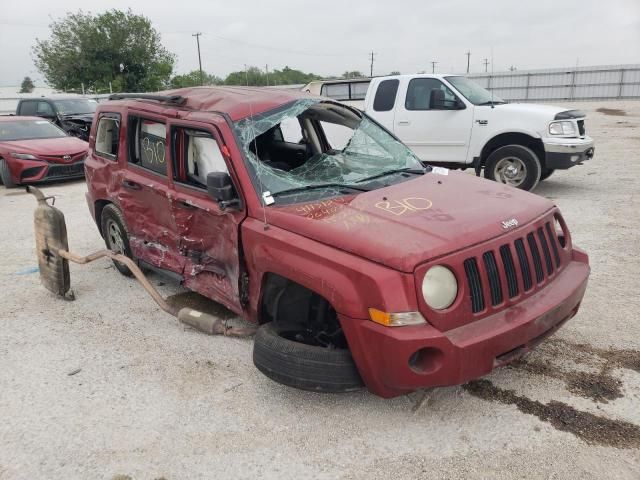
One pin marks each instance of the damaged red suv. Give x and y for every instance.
(359, 263)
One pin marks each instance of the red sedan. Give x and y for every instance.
(34, 150)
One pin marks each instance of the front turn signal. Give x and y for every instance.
(396, 319)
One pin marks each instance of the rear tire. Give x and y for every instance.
(5, 174)
(546, 173)
(514, 165)
(302, 366)
(116, 235)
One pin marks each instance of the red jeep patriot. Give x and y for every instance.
(359, 263)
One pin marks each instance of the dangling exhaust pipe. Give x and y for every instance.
(52, 247)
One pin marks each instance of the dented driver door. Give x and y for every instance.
(208, 233)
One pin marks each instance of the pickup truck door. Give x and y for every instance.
(434, 133)
(209, 234)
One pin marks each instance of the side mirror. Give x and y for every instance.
(220, 188)
(436, 99)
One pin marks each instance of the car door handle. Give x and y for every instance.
(131, 185)
(404, 123)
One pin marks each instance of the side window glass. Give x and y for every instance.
(44, 108)
(200, 156)
(290, 130)
(147, 144)
(359, 90)
(28, 108)
(108, 136)
(423, 91)
(337, 91)
(385, 97)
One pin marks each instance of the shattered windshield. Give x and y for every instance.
(310, 146)
(76, 106)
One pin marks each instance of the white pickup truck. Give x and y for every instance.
(452, 121)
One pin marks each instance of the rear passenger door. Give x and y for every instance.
(209, 235)
(144, 194)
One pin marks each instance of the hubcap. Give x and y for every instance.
(114, 235)
(510, 170)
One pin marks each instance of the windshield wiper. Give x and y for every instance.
(314, 187)
(416, 171)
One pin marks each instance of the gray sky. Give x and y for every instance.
(329, 36)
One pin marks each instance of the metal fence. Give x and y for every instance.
(575, 83)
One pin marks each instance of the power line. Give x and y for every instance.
(372, 54)
(197, 35)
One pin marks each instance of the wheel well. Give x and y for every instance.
(99, 206)
(297, 308)
(523, 139)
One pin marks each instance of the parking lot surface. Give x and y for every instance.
(109, 386)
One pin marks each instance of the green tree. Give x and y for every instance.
(192, 79)
(27, 85)
(255, 77)
(113, 47)
(353, 74)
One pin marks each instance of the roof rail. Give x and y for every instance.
(171, 99)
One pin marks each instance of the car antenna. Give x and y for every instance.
(263, 197)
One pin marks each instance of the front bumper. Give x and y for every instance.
(36, 171)
(563, 153)
(394, 361)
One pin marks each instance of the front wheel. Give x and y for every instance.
(514, 165)
(303, 366)
(5, 174)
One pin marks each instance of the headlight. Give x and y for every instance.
(439, 287)
(23, 156)
(562, 128)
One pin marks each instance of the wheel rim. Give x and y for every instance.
(511, 171)
(115, 237)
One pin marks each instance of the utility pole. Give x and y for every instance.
(372, 55)
(197, 35)
(468, 54)
(433, 66)
(266, 69)
(485, 62)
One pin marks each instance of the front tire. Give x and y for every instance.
(307, 367)
(514, 165)
(5, 174)
(116, 235)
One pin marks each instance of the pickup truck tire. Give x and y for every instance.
(514, 165)
(302, 366)
(116, 235)
(5, 174)
(546, 173)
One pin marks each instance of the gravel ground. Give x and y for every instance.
(110, 387)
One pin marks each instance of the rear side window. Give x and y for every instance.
(108, 136)
(44, 108)
(28, 108)
(385, 97)
(147, 142)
